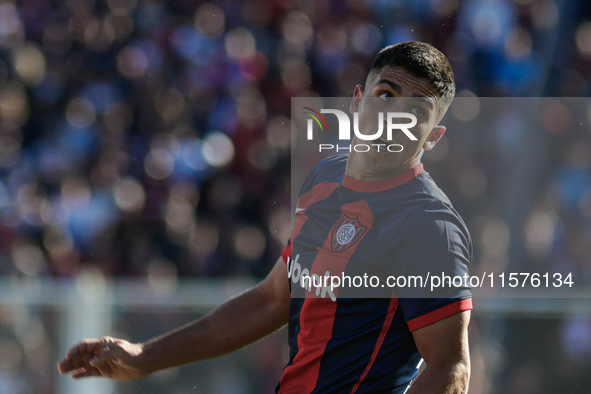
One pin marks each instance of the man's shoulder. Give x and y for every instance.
(336, 163)
(426, 187)
(330, 169)
(425, 203)
(435, 216)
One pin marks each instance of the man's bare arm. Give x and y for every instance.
(444, 347)
(240, 321)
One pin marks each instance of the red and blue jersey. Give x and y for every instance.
(403, 226)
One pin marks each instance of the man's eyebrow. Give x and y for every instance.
(426, 99)
(395, 87)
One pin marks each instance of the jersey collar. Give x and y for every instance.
(378, 186)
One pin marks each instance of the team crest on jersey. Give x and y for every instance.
(346, 232)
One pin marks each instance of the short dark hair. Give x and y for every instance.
(422, 60)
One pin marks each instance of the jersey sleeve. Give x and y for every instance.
(432, 244)
(286, 253)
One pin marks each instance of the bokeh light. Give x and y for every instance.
(518, 44)
(210, 19)
(444, 7)
(29, 64)
(583, 39)
(279, 224)
(12, 31)
(331, 39)
(122, 7)
(179, 215)
(295, 75)
(297, 29)
(251, 108)
(10, 149)
(545, 14)
(492, 236)
(58, 243)
(122, 26)
(539, 232)
(80, 112)
(170, 104)
(132, 62)
(366, 38)
(99, 34)
(14, 105)
(555, 117)
(218, 149)
(249, 242)
(240, 44)
(466, 107)
(278, 131)
(75, 190)
(159, 164)
(130, 195)
(28, 259)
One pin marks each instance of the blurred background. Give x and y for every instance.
(145, 158)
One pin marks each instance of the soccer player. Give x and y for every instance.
(369, 211)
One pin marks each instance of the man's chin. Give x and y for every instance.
(379, 156)
(380, 147)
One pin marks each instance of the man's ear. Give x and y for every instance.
(435, 136)
(357, 96)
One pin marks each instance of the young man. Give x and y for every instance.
(368, 211)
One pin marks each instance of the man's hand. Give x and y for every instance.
(108, 357)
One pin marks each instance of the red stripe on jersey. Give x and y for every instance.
(317, 314)
(389, 317)
(439, 314)
(286, 253)
(380, 186)
(319, 192)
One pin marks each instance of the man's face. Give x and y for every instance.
(395, 89)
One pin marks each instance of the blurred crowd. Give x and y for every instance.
(151, 138)
(146, 137)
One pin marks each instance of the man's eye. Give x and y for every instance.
(418, 111)
(386, 97)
